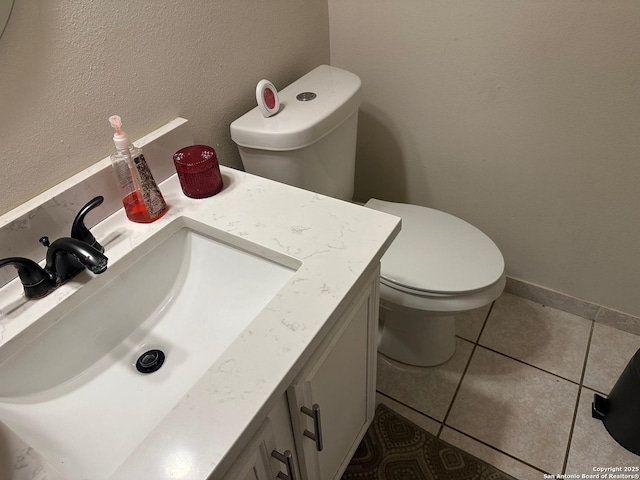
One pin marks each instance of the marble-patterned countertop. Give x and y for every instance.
(335, 243)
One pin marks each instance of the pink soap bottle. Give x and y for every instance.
(143, 202)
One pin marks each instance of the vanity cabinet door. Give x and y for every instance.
(332, 401)
(284, 444)
(254, 462)
(270, 454)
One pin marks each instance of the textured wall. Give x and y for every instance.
(65, 67)
(522, 117)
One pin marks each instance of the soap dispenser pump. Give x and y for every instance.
(143, 202)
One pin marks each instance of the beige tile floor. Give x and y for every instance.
(517, 393)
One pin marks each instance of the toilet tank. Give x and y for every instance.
(311, 141)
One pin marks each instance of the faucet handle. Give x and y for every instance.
(35, 280)
(79, 231)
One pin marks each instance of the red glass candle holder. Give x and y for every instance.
(198, 171)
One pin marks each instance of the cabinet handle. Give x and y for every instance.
(315, 414)
(287, 459)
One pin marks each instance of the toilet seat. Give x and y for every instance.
(440, 302)
(438, 256)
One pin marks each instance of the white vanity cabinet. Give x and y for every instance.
(331, 402)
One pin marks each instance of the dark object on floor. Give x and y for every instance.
(396, 449)
(619, 411)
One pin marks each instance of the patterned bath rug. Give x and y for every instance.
(396, 449)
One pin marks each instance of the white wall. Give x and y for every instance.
(65, 67)
(522, 117)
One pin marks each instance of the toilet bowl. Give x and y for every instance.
(439, 265)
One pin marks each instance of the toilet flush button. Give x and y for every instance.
(267, 98)
(305, 96)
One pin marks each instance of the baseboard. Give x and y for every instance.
(576, 306)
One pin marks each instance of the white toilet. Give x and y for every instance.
(439, 265)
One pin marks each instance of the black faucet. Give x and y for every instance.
(66, 257)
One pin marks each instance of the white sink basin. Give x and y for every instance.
(74, 393)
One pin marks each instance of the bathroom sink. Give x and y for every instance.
(74, 392)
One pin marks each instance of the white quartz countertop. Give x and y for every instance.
(335, 243)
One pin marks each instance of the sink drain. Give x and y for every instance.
(150, 361)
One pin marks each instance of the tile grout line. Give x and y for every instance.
(497, 450)
(578, 383)
(528, 364)
(464, 372)
(580, 387)
(409, 407)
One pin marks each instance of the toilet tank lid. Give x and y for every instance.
(436, 252)
(301, 123)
